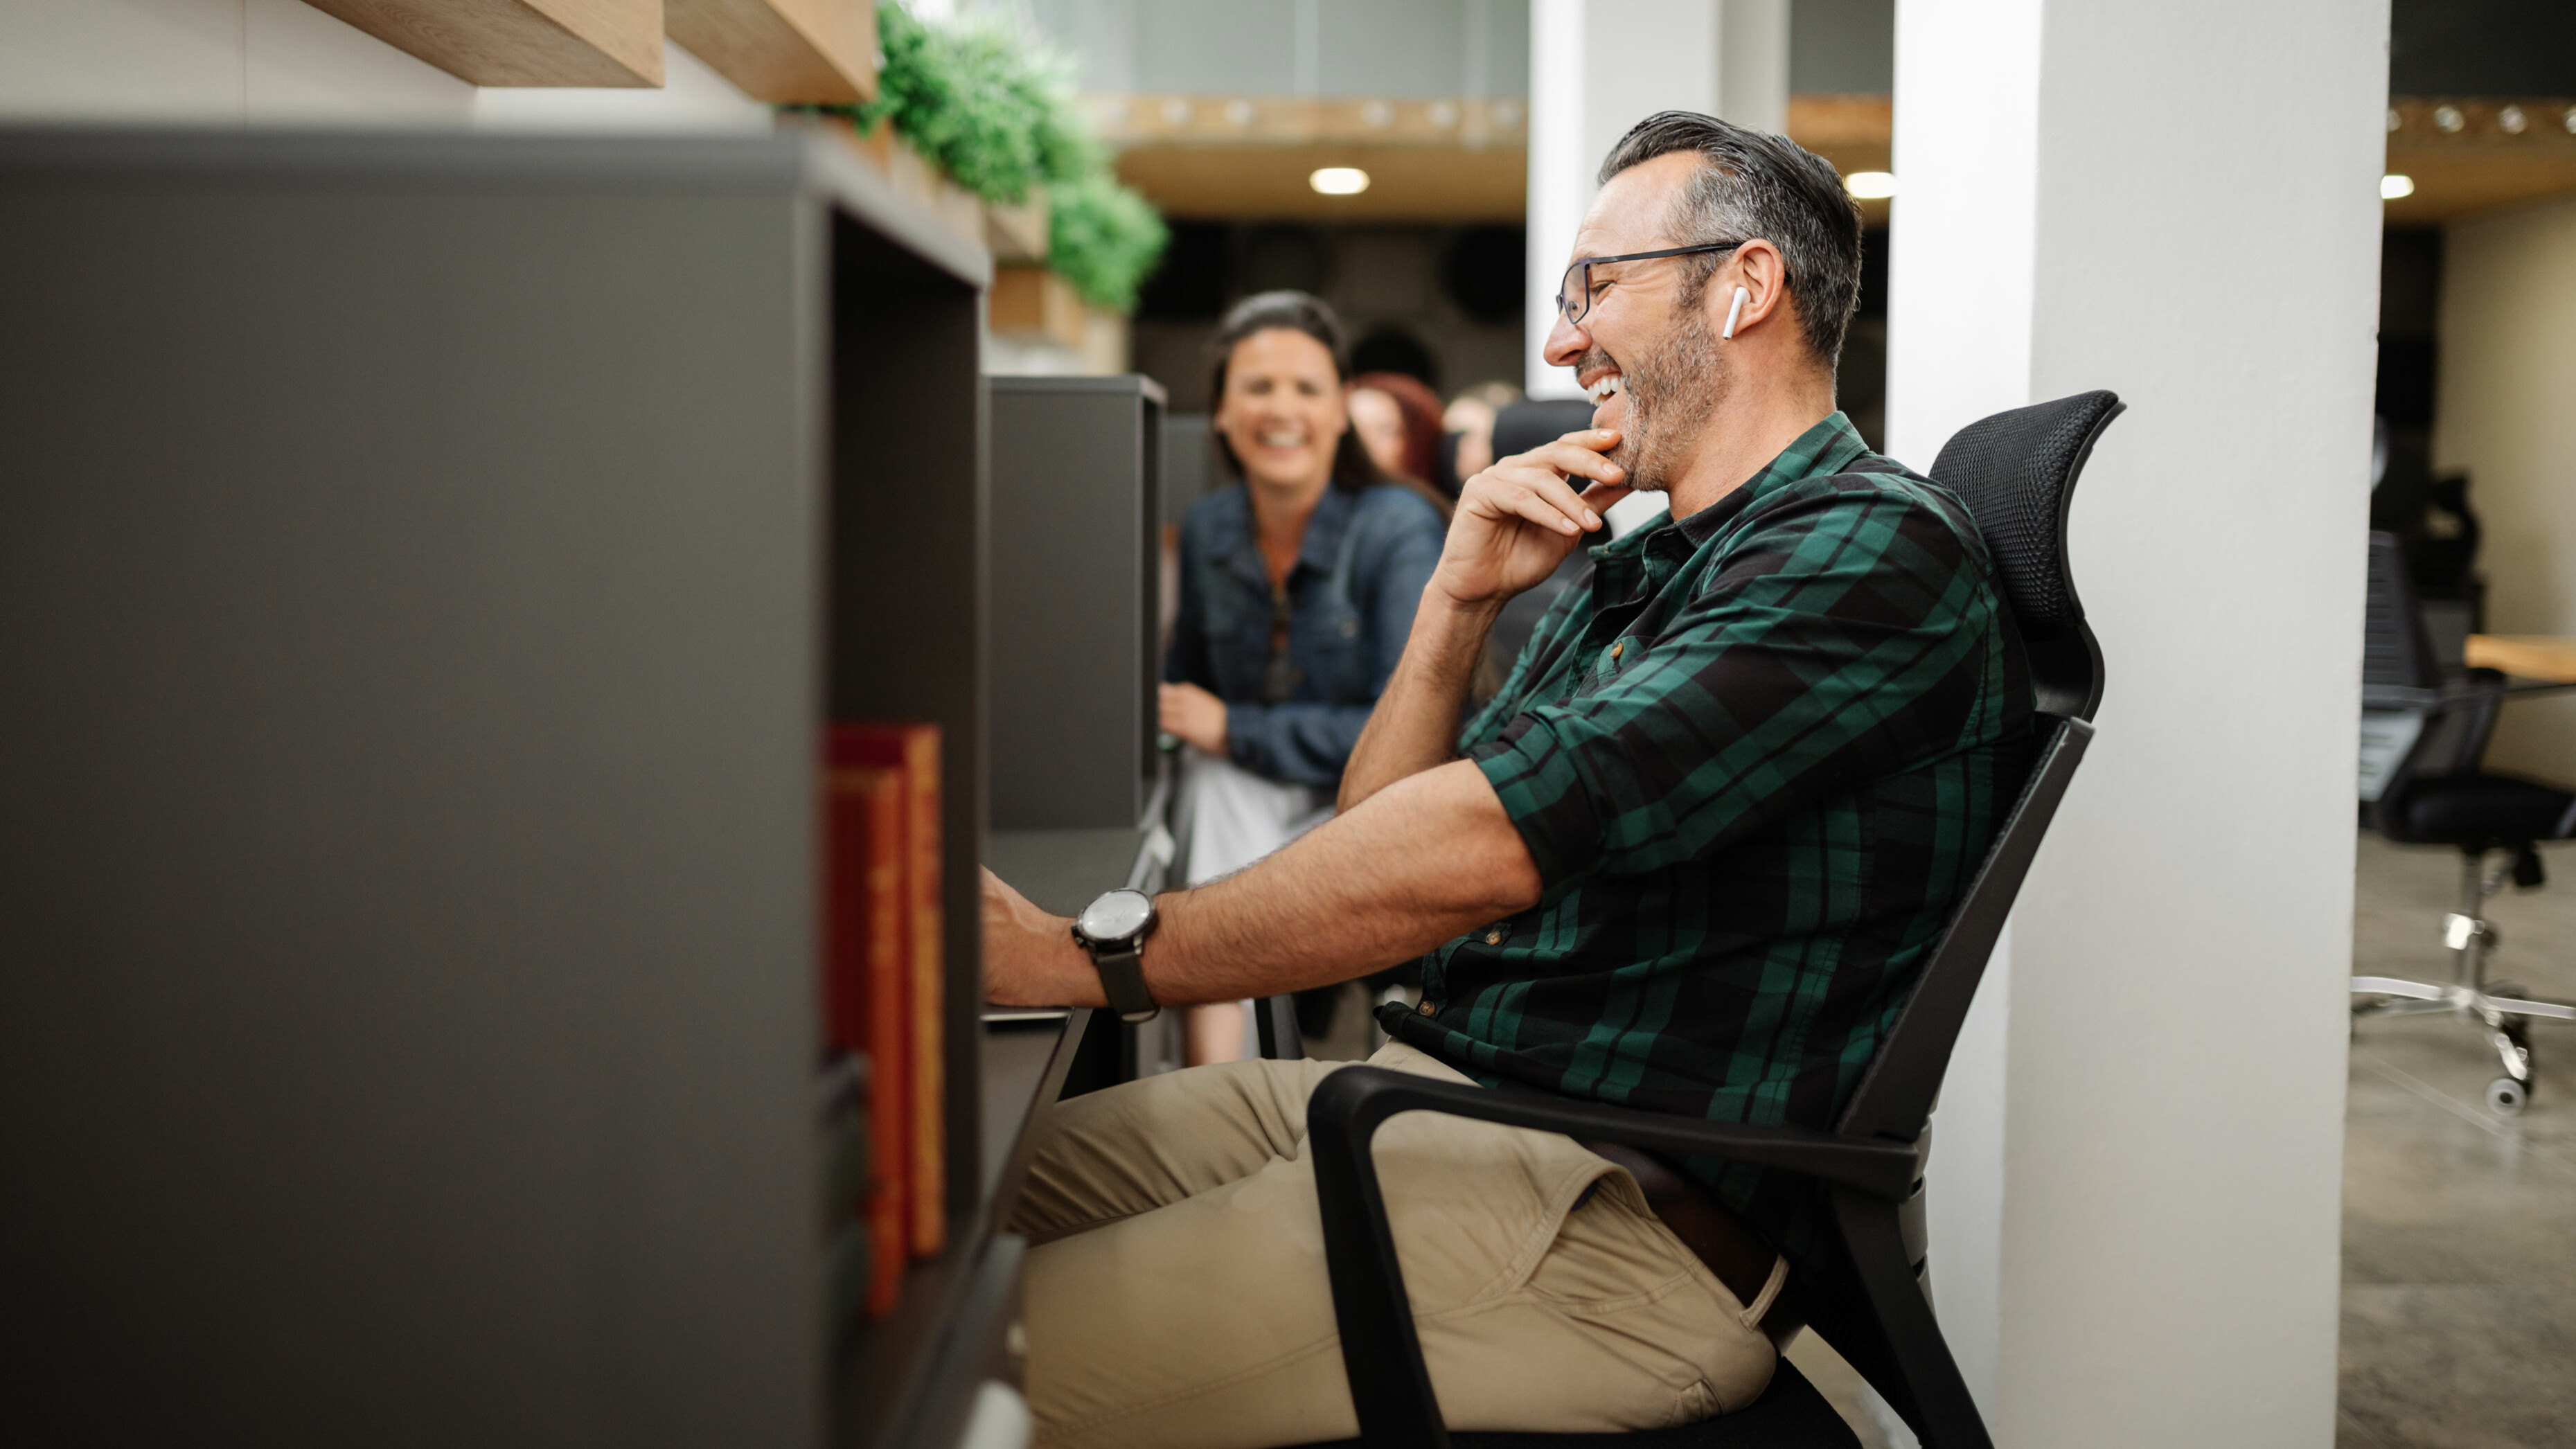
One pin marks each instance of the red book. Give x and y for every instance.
(867, 992)
(913, 749)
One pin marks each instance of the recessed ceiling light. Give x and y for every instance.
(1339, 181)
(1871, 185)
(2395, 185)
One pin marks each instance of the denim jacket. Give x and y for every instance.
(1359, 573)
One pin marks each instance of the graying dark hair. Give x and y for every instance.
(1751, 184)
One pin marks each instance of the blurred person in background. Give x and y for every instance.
(1297, 591)
(1398, 420)
(1467, 432)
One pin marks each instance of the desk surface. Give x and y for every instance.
(2525, 656)
(1017, 1059)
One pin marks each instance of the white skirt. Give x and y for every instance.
(1229, 817)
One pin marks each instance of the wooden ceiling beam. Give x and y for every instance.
(784, 51)
(520, 42)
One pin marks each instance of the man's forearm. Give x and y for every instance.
(1431, 857)
(1415, 725)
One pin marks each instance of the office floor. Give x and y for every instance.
(2459, 1226)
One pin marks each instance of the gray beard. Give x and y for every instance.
(1670, 398)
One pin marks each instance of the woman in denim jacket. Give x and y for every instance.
(1297, 590)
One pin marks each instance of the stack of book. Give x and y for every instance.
(883, 1074)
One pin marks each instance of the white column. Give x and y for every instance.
(1753, 63)
(2137, 1178)
(1653, 55)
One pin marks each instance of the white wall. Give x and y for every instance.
(2507, 414)
(2137, 1176)
(264, 62)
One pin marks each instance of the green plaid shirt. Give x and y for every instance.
(1757, 757)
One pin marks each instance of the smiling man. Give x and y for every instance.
(1690, 858)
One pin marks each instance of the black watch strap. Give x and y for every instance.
(1122, 976)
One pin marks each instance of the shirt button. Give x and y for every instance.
(1493, 938)
(1615, 648)
(1430, 1007)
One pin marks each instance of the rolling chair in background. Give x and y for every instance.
(2423, 736)
(2017, 472)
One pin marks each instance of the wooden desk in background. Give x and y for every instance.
(2525, 656)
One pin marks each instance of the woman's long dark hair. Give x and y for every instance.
(1295, 312)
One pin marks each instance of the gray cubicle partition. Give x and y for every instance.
(1077, 510)
(426, 563)
(1190, 467)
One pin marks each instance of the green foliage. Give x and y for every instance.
(1103, 239)
(995, 112)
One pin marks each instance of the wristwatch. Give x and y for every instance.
(1113, 929)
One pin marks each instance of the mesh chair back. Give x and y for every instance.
(2444, 722)
(2396, 651)
(1526, 424)
(2015, 471)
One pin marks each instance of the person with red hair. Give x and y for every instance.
(1398, 420)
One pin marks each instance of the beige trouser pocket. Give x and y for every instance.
(1178, 1293)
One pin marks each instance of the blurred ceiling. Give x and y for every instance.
(1221, 109)
(2467, 156)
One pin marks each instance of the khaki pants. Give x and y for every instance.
(1177, 1293)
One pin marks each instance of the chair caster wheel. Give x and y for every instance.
(2507, 1097)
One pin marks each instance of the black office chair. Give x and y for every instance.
(2437, 795)
(1517, 429)
(2017, 472)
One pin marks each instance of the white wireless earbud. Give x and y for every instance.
(1734, 310)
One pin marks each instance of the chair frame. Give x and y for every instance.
(1871, 1163)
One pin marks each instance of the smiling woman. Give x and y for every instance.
(1298, 587)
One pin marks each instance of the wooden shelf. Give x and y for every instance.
(783, 51)
(520, 42)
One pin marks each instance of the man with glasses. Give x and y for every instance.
(1690, 859)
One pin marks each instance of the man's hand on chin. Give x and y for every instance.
(1030, 958)
(1518, 519)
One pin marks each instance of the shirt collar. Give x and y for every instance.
(1324, 527)
(1827, 448)
(1319, 550)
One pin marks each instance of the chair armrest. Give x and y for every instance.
(1353, 1102)
(1382, 1355)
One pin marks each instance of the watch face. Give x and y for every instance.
(1116, 916)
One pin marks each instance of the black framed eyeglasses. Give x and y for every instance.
(1574, 291)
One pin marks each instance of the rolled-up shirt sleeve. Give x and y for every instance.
(1848, 633)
